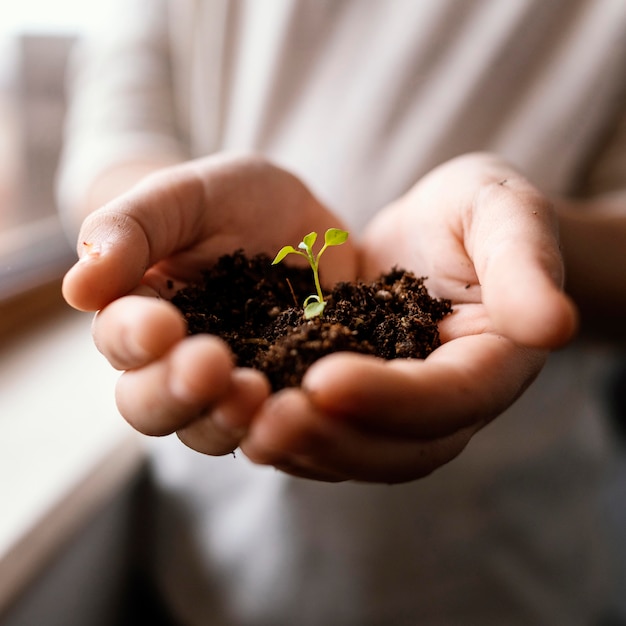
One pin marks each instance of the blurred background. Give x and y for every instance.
(35, 40)
(67, 486)
(69, 465)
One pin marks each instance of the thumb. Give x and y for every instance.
(520, 268)
(113, 255)
(120, 241)
(525, 302)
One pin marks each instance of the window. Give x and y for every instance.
(36, 37)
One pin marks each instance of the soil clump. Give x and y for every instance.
(256, 308)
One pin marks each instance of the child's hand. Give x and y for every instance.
(153, 240)
(486, 239)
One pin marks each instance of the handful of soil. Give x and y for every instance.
(255, 307)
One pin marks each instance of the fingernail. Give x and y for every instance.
(89, 251)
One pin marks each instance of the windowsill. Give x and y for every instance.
(64, 449)
(34, 248)
(32, 255)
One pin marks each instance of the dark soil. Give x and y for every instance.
(256, 308)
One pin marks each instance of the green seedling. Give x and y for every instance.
(314, 304)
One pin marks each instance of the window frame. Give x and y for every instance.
(34, 247)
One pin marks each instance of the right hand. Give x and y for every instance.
(487, 239)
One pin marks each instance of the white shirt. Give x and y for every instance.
(360, 98)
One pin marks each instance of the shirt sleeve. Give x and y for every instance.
(120, 100)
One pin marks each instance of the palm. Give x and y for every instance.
(435, 252)
(486, 240)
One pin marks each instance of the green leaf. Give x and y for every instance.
(309, 240)
(283, 252)
(314, 308)
(314, 305)
(335, 237)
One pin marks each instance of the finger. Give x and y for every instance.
(135, 330)
(167, 394)
(523, 299)
(301, 469)
(220, 431)
(362, 457)
(120, 241)
(286, 431)
(464, 382)
(513, 241)
(291, 434)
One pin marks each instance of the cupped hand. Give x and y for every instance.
(487, 240)
(138, 249)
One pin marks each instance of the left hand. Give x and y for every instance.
(486, 239)
(136, 250)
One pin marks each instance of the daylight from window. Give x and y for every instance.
(35, 40)
(46, 16)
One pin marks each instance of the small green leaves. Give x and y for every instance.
(335, 237)
(314, 305)
(283, 252)
(308, 241)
